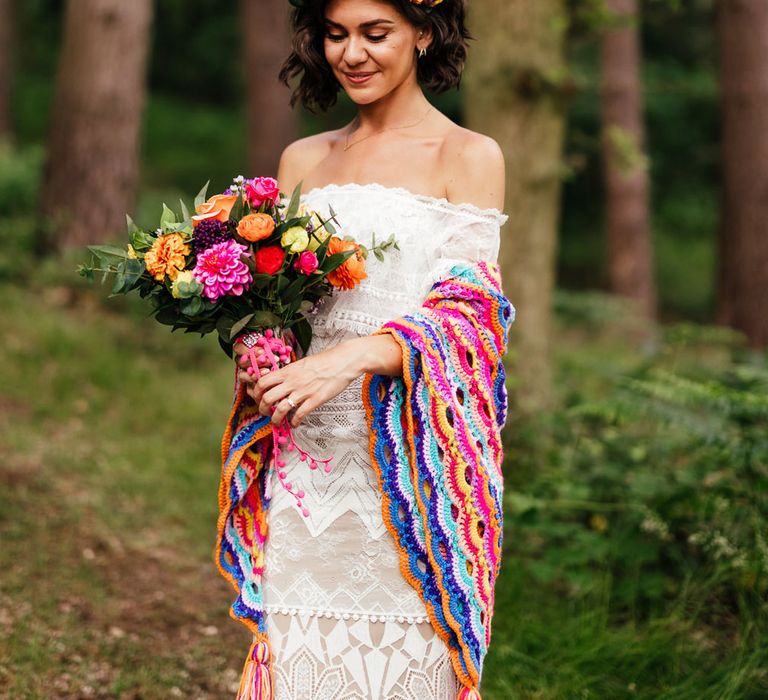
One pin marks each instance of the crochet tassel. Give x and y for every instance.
(256, 681)
(469, 694)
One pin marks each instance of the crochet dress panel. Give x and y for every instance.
(343, 621)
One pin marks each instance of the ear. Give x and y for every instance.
(424, 38)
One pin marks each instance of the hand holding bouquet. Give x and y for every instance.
(248, 265)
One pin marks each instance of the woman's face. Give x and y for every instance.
(370, 47)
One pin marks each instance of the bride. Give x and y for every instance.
(347, 612)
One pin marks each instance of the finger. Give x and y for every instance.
(303, 409)
(249, 389)
(282, 408)
(240, 348)
(246, 378)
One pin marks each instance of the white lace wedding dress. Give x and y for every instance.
(343, 622)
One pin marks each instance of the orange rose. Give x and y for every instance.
(256, 227)
(352, 270)
(217, 207)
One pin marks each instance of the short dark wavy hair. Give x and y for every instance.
(439, 70)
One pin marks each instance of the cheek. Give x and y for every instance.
(332, 53)
(393, 55)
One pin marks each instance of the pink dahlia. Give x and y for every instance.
(221, 272)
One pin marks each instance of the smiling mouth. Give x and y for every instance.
(358, 77)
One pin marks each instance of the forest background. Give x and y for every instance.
(636, 546)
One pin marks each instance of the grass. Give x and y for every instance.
(109, 436)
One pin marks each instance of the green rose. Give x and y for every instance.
(295, 239)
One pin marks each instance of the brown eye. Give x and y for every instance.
(377, 37)
(334, 37)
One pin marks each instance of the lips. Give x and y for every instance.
(358, 78)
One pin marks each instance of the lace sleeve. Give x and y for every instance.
(476, 235)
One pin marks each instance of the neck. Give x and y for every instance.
(405, 103)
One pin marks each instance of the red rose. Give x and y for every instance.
(269, 259)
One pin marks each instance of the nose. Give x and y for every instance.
(354, 51)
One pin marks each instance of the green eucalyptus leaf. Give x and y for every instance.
(191, 306)
(239, 325)
(225, 346)
(294, 289)
(167, 315)
(263, 319)
(167, 218)
(224, 326)
(293, 205)
(134, 269)
(238, 209)
(303, 332)
(141, 240)
(201, 195)
(105, 252)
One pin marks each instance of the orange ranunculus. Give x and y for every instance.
(166, 256)
(217, 207)
(352, 270)
(256, 227)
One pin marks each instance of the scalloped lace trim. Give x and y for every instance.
(347, 615)
(439, 202)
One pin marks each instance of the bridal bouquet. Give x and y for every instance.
(246, 260)
(250, 264)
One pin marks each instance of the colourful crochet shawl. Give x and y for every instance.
(435, 445)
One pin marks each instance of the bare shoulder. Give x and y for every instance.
(301, 157)
(474, 168)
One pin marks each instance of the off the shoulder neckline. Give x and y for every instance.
(402, 191)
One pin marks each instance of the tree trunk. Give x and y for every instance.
(272, 124)
(628, 228)
(6, 66)
(91, 175)
(509, 96)
(743, 238)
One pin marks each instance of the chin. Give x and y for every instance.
(360, 97)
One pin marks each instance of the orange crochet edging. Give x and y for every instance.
(225, 501)
(471, 681)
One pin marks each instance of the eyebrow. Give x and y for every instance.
(363, 25)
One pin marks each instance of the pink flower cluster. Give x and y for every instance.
(221, 271)
(260, 190)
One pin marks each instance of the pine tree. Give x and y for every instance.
(628, 226)
(92, 169)
(512, 94)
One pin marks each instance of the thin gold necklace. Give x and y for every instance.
(348, 145)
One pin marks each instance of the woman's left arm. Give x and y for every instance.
(315, 379)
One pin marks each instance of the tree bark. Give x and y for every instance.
(513, 94)
(91, 174)
(628, 227)
(6, 66)
(272, 124)
(743, 238)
